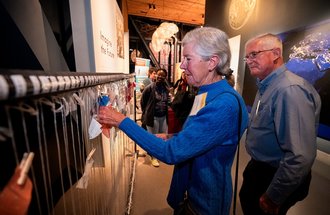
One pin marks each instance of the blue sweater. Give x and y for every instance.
(202, 152)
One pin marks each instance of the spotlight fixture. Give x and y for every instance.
(152, 6)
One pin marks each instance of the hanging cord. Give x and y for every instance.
(130, 198)
(41, 153)
(4, 133)
(25, 108)
(237, 155)
(41, 102)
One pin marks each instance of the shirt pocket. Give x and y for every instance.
(263, 118)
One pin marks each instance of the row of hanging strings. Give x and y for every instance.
(56, 129)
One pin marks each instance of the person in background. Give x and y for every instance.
(151, 78)
(281, 136)
(183, 98)
(154, 105)
(203, 151)
(152, 72)
(181, 84)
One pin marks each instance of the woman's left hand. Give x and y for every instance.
(109, 117)
(164, 136)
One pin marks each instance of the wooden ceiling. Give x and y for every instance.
(181, 11)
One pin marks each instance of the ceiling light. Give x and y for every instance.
(152, 6)
(162, 33)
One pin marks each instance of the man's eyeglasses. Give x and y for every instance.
(254, 55)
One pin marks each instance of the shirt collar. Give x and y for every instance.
(263, 84)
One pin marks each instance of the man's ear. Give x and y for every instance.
(213, 62)
(277, 53)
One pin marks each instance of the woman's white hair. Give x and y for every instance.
(209, 41)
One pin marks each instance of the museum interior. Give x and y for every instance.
(60, 60)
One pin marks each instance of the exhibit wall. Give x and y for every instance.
(98, 36)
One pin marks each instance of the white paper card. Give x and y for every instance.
(83, 181)
(95, 129)
(199, 103)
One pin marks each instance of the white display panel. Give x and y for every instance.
(108, 36)
(98, 34)
(234, 44)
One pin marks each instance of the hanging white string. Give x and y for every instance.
(4, 133)
(24, 108)
(65, 112)
(59, 152)
(130, 197)
(42, 102)
(74, 101)
(109, 179)
(42, 158)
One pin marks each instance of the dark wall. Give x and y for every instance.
(273, 16)
(15, 51)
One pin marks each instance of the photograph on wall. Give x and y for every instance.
(306, 52)
(120, 33)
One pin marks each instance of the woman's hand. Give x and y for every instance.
(164, 136)
(109, 117)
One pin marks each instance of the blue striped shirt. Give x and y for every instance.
(283, 128)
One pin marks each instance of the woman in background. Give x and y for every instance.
(154, 105)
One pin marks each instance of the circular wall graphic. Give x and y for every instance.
(239, 12)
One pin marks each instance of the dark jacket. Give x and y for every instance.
(148, 102)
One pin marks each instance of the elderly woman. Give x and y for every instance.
(203, 151)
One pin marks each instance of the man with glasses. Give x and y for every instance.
(281, 136)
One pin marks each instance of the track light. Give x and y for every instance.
(152, 6)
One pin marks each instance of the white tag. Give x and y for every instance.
(46, 85)
(67, 82)
(20, 85)
(61, 83)
(199, 103)
(94, 129)
(83, 181)
(53, 83)
(36, 84)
